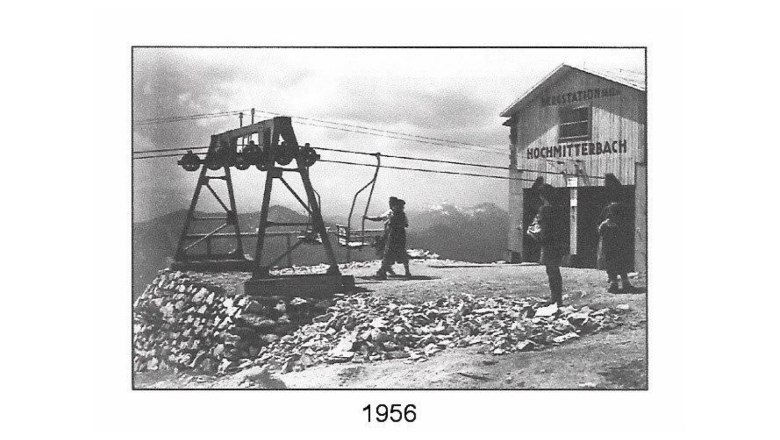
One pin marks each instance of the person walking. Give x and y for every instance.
(395, 238)
(614, 252)
(547, 231)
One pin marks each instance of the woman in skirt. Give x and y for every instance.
(395, 238)
(614, 254)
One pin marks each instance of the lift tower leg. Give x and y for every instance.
(195, 250)
(309, 285)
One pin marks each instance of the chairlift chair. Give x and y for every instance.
(349, 238)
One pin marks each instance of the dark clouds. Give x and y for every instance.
(174, 82)
(449, 94)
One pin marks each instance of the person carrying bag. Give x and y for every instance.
(546, 231)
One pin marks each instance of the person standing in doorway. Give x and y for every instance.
(395, 238)
(614, 254)
(547, 231)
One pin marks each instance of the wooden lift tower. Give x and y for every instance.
(276, 148)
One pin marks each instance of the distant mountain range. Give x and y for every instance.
(475, 234)
(155, 240)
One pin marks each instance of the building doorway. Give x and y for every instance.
(591, 201)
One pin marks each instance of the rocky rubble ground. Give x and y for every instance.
(422, 254)
(184, 325)
(364, 328)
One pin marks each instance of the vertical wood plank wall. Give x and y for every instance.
(614, 118)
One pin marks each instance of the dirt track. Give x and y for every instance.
(614, 360)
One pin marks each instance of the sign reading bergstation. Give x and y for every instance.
(580, 95)
(578, 149)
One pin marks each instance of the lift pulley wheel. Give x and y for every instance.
(264, 161)
(217, 158)
(252, 154)
(285, 153)
(242, 162)
(307, 156)
(190, 161)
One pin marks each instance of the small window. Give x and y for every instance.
(574, 123)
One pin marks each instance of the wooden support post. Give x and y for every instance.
(261, 271)
(573, 183)
(232, 215)
(241, 124)
(316, 219)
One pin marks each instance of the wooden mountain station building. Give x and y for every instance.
(572, 128)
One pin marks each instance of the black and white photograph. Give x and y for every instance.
(395, 218)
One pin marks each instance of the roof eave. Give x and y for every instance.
(527, 95)
(531, 93)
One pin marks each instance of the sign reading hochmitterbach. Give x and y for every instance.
(578, 149)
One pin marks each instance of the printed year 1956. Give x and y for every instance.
(396, 412)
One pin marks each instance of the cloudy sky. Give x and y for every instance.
(454, 94)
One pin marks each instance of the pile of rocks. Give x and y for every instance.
(364, 328)
(183, 324)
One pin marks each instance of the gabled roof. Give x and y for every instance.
(626, 78)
